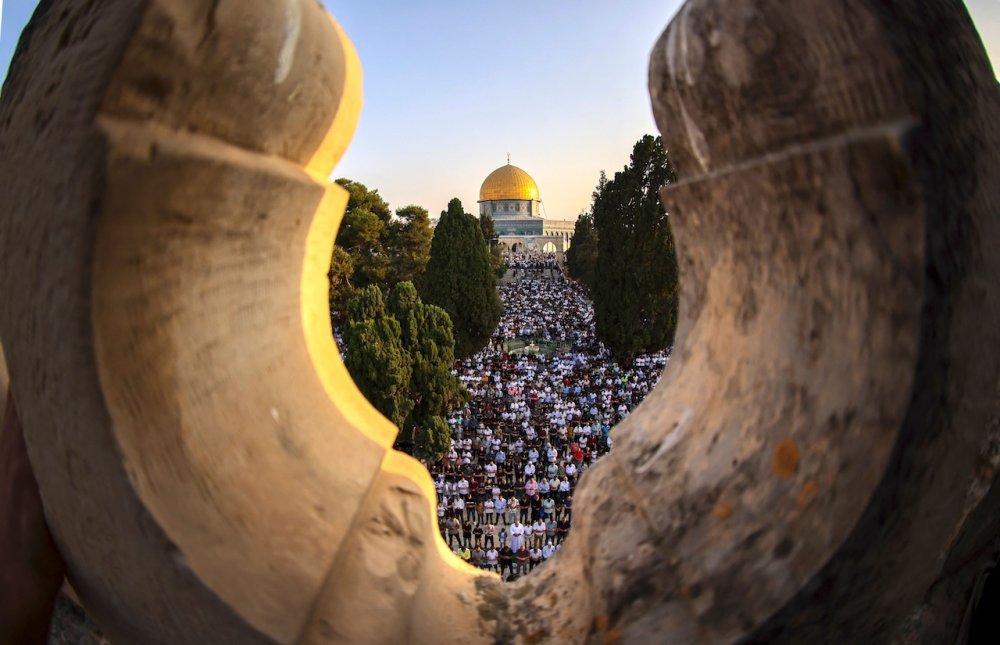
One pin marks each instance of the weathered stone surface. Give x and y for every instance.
(4, 379)
(155, 221)
(820, 462)
(806, 468)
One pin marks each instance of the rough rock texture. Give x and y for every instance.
(817, 459)
(165, 234)
(820, 462)
(4, 379)
(72, 626)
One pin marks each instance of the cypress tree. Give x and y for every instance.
(581, 258)
(489, 230)
(460, 279)
(635, 289)
(427, 338)
(375, 356)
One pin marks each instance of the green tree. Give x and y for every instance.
(427, 337)
(408, 244)
(362, 232)
(375, 356)
(635, 288)
(581, 258)
(432, 439)
(486, 225)
(341, 270)
(361, 198)
(460, 279)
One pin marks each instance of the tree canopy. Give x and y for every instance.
(400, 352)
(375, 356)
(408, 244)
(581, 257)
(428, 338)
(486, 225)
(634, 287)
(460, 279)
(361, 234)
(374, 247)
(341, 270)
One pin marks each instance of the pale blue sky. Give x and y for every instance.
(452, 86)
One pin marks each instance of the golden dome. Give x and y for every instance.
(508, 182)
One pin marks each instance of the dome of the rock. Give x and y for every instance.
(508, 182)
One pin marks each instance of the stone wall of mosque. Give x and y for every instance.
(510, 207)
(519, 225)
(560, 228)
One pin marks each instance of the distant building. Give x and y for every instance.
(510, 196)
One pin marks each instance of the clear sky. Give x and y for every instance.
(452, 86)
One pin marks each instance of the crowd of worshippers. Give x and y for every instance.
(531, 264)
(535, 423)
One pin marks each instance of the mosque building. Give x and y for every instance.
(511, 197)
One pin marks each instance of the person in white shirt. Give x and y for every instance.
(460, 505)
(488, 509)
(516, 535)
(513, 510)
(529, 469)
(548, 507)
(534, 557)
(491, 559)
(547, 551)
(537, 533)
(500, 507)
